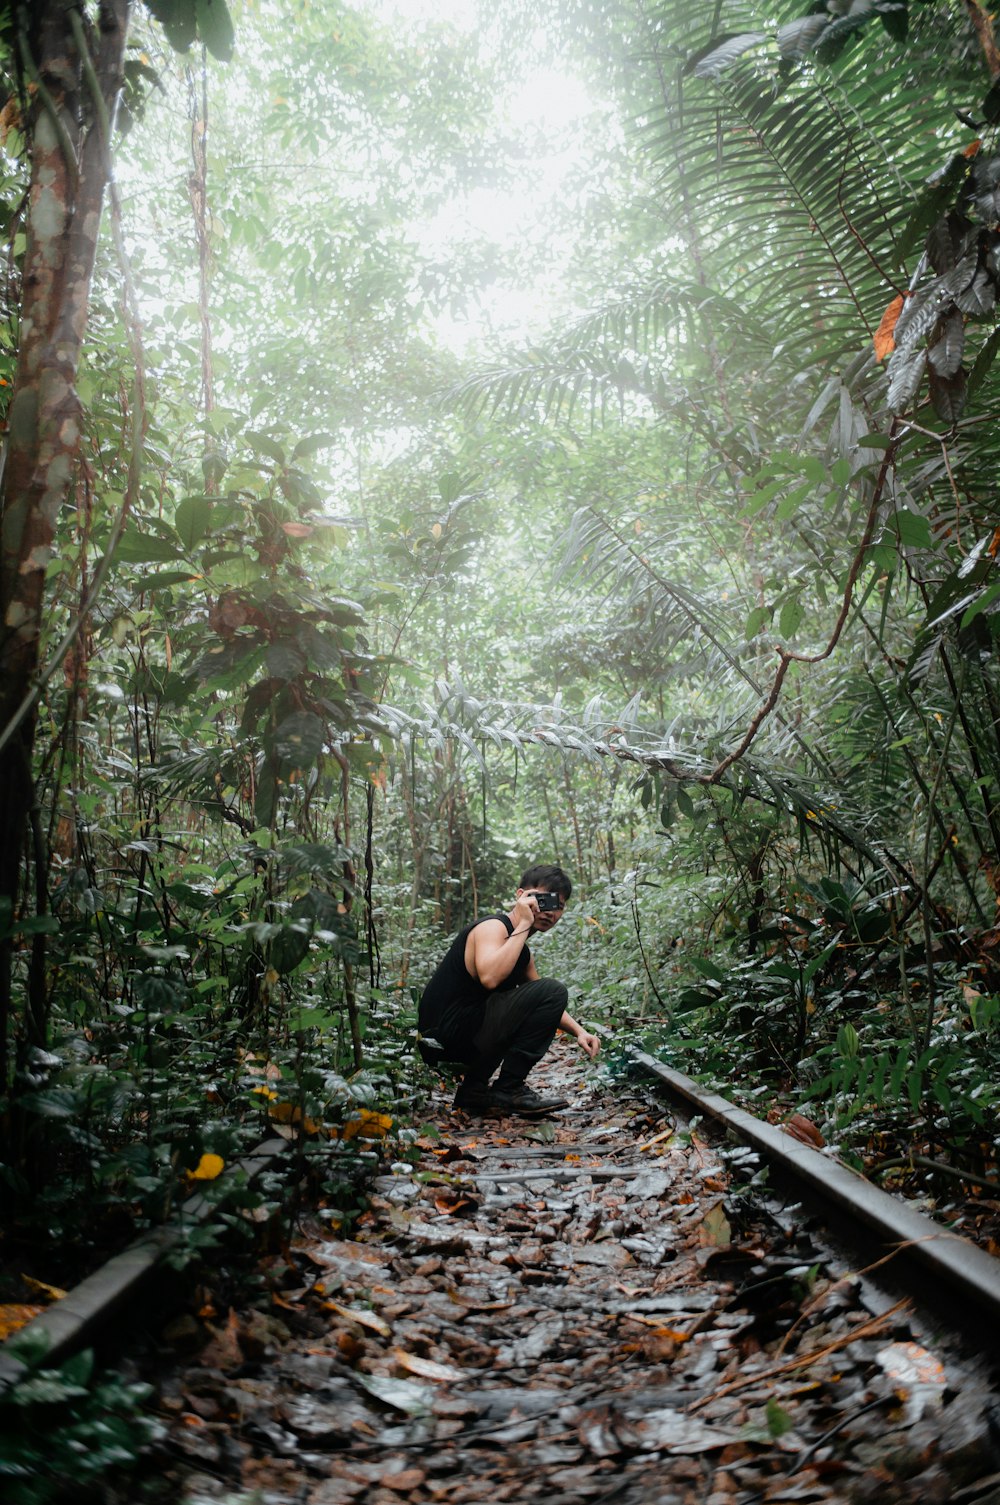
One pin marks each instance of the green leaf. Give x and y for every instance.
(299, 739)
(265, 445)
(52, 1102)
(78, 1370)
(45, 924)
(453, 484)
(289, 947)
(164, 578)
(759, 499)
(144, 548)
(948, 395)
(192, 520)
(980, 604)
(756, 620)
(778, 1421)
(896, 20)
(791, 617)
(684, 803)
(913, 530)
(177, 17)
(285, 660)
(790, 504)
(312, 443)
(982, 364)
(215, 27)
(991, 105)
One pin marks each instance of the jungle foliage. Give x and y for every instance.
(336, 623)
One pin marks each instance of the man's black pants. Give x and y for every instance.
(518, 1028)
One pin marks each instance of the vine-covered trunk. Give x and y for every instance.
(73, 72)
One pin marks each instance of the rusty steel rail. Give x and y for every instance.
(949, 1269)
(72, 1322)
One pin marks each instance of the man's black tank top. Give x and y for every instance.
(451, 990)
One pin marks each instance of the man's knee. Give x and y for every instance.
(553, 995)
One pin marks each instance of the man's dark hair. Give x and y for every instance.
(547, 876)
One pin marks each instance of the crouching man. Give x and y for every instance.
(487, 1006)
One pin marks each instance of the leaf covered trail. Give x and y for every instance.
(582, 1309)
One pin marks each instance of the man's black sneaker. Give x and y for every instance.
(523, 1101)
(474, 1097)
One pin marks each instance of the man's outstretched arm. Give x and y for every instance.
(586, 1041)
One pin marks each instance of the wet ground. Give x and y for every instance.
(593, 1307)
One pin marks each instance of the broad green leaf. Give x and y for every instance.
(991, 105)
(913, 530)
(312, 443)
(192, 520)
(299, 739)
(756, 620)
(215, 27)
(285, 660)
(791, 617)
(178, 19)
(760, 498)
(162, 579)
(145, 548)
(790, 504)
(684, 803)
(265, 445)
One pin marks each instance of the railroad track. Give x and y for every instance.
(942, 1270)
(603, 1307)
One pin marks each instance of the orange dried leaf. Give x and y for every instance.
(884, 340)
(366, 1125)
(208, 1167)
(715, 1230)
(451, 1207)
(52, 1293)
(362, 1317)
(803, 1129)
(15, 1316)
(427, 1369)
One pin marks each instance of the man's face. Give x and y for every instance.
(545, 918)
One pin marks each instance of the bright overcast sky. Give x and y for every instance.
(549, 105)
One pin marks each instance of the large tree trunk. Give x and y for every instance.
(76, 72)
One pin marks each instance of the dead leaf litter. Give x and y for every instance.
(580, 1309)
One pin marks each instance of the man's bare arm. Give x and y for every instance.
(586, 1041)
(491, 953)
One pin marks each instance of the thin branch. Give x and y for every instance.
(787, 657)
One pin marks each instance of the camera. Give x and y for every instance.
(548, 901)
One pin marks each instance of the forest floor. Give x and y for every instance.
(586, 1308)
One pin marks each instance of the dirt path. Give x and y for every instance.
(576, 1310)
